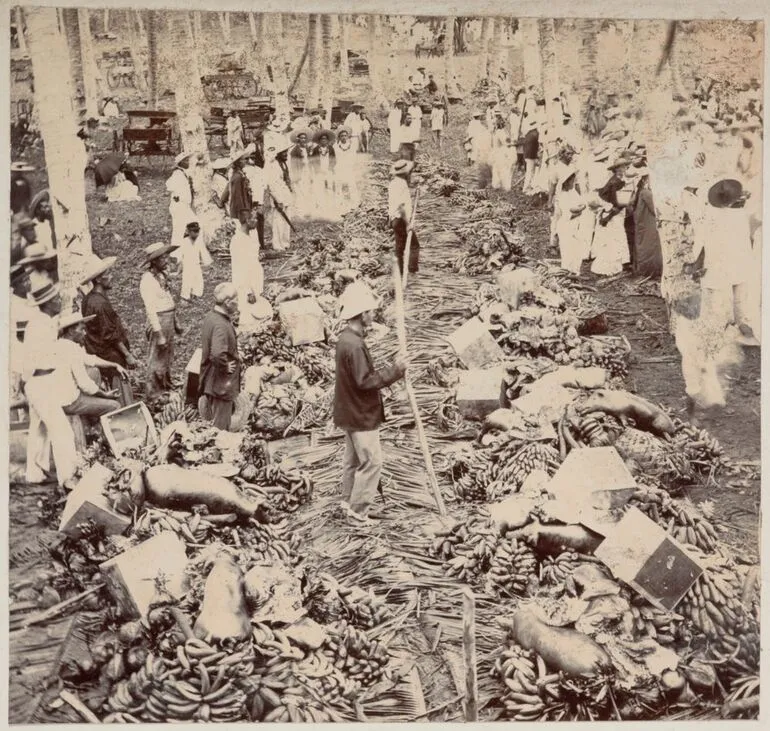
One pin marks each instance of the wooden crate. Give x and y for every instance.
(129, 427)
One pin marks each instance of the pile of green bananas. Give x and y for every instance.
(557, 570)
(359, 657)
(363, 610)
(467, 548)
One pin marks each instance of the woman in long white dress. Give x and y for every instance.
(572, 216)
(322, 163)
(610, 247)
(299, 167)
(279, 193)
(501, 156)
(345, 171)
(194, 256)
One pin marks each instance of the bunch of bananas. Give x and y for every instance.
(511, 568)
(530, 692)
(315, 363)
(266, 544)
(591, 431)
(701, 449)
(198, 684)
(613, 359)
(193, 528)
(363, 610)
(713, 603)
(270, 345)
(467, 548)
(271, 642)
(644, 620)
(296, 487)
(358, 657)
(470, 476)
(556, 570)
(682, 522)
(372, 267)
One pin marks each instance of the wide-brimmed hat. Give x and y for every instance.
(611, 113)
(20, 166)
(192, 226)
(35, 253)
(97, 268)
(155, 251)
(401, 167)
(601, 153)
(294, 136)
(221, 163)
(357, 299)
(182, 156)
(250, 149)
(43, 294)
(725, 192)
(721, 128)
(276, 125)
(617, 163)
(344, 129)
(324, 133)
(357, 106)
(72, 318)
(477, 113)
(578, 208)
(37, 199)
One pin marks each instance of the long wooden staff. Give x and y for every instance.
(409, 238)
(401, 329)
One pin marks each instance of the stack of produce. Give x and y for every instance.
(467, 548)
(351, 651)
(704, 452)
(512, 568)
(285, 488)
(491, 247)
(501, 469)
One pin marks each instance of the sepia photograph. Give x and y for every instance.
(374, 367)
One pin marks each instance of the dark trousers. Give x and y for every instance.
(630, 228)
(406, 151)
(261, 229)
(218, 411)
(399, 228)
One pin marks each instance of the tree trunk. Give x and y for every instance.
(375, 62)
(327, 65)
(106, 20)
(138, 45)
(224, 21)
(531, 54)
(274, 60)
(587, 60)
(198, 23)
(65, 157)
(189, 99)
(486, 37)
(450, 82)
(494, 63)
(314, 77)
(152, 55)
(88, 65)
(20, 32)
(344, 66)
(550, 67)
(628, 32)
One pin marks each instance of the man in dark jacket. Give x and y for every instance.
(105, 335)
(240, 194)
(358, 408)
(220, 375)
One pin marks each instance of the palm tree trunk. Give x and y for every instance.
(344, 67)
(189, 99)
(152, 55)
(450, 82)
(550, 66)
(88, 63)
(198, 23)
(20, 31)
(375, 61)
(65, 158)
(531, 53)
(224, 21)
(327, 64)
(106, 20)
(495, 53)
(486, 27)
(137, 41)
(274, 60)
(314, 79)
(587, 58)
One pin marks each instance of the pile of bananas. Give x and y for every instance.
(199, 684)
(557, 570)
(357, 656)
(297, 487)
(530, 693)
(270, 345)
(467, 548)
(702, 450)
(271, 642)
(511, 568)
(502, 469)
(315, 364)
(327, 682)
(643, 620)
(266, 544)
(363, 610)
(193, 528)
(591, 430)
(714, 605)
(490, 248)
(682, 522)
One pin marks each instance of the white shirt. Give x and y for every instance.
(178, 186)
(728, 247)
(247, 272)
(394, 120)
(39, 343)
(156, 299)
(111, 109)
(437, 118)
(399, 199)
(220, 184)
(354, 121)
(257, 182)
(71, 375)
(407, 134)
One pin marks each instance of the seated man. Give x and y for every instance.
(77, 374)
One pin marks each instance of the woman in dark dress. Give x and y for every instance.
(648, 260)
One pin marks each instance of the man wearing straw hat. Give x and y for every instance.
(179, 187)
(105, 335)
(39, 263)
(239, 192)
(255, 174)
(220, 183)
(437, 121)
(220, 376)
(161, 318)
(358, 407)
(49, 428)
(400, 213)
(355, 124)
(280, 193)
(77, 373)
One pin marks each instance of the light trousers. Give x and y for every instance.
(361, 469)
(529, 175)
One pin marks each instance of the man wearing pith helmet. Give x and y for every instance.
(358, 408)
